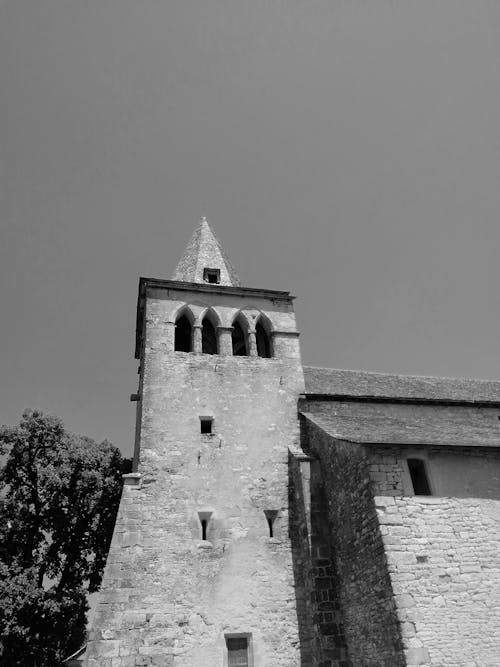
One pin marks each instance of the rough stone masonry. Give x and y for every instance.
(286, 516)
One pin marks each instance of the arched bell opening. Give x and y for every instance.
(263, 340)
(239, 339)
(183, 334)
(209, 342)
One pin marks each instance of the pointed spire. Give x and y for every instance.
(204, 260)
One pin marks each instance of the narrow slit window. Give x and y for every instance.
(270, 518)
(419, 479)
(211, 276)
(206, 424)
(237, 652)
(204, 518)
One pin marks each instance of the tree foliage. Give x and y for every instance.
(59, 494)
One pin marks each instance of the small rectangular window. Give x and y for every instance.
(211, 276)
(237, 651)
(419, 479)
(206, 425)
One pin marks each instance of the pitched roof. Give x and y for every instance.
(204, 251)
(334, 382)
(364, 422)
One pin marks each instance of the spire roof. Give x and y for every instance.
(204, 260)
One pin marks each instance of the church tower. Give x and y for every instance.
(200, 572)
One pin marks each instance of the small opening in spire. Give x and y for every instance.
(211, 276)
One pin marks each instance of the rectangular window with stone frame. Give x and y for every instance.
(239, 652)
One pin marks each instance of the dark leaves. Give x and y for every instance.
(59, 494)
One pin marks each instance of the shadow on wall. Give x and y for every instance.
(299, 536)
(320, 620)
(346, 535)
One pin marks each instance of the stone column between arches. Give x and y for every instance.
(197, 338)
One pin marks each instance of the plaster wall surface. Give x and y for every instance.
(168, 597)
(460, 472)
(470, 473)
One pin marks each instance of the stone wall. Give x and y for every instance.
(169, 597)
(444, 564)
(358, 571)
(439, 554)
(300, 535)
(364, 588)
(443, 554)
(320, 619)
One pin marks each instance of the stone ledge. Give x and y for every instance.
(131, 479)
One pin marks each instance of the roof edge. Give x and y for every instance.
(310, 418)
(408, 400)
(161, 283)
(323, 383)
(406, 376)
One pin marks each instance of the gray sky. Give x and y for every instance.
(347, 151)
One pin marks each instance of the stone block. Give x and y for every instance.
(417, 656)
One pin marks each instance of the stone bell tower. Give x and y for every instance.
(199, 572)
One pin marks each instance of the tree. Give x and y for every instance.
(59, 494)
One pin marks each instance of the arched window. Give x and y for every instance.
(263, 341)
(240, 348)
(183, 334)
(208, 337)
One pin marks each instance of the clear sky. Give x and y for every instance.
(345, 150)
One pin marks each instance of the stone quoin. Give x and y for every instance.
(283, 516)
